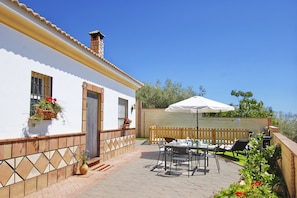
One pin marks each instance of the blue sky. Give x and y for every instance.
(223, 45)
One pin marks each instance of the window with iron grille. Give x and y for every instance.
(41, 87)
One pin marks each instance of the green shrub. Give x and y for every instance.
(258, 178)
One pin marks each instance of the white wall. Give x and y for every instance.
(111, 108)
(19, 55)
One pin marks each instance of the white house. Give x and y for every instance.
(39, 60)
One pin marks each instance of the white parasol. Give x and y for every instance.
(198, 104)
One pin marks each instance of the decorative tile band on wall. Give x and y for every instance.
(22, 168)
(38, 159)
(118, 142)
(39, 162)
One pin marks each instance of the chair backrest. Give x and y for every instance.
(161, 144)
(239, 145)
(169, 139)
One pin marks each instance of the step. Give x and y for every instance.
(94, 161)
(101, 167)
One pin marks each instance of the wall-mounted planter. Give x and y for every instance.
(126, 126)
(46, 114)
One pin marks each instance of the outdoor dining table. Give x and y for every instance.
(202, 147)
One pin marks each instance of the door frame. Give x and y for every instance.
(100, 91)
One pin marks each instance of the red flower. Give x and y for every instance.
(258, 183)
(49, 99)
(127, 121)
(240, 194)
(53, 100)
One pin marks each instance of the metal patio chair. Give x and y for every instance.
(179, 155)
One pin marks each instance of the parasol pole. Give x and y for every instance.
(197, 123)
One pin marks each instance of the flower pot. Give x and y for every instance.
(126, 126)
(84, 168)
(47, 115)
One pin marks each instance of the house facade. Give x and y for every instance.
(39, 60)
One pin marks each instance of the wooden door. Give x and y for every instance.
(92, 124)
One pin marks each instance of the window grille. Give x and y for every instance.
(41, 87)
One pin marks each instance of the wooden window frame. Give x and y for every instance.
(121, 115)
(41, 87)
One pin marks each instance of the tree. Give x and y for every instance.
(158, 96)
(249, 107)
(202, 91)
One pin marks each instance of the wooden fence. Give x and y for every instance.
(207, 135)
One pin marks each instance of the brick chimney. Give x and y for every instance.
(96, 42)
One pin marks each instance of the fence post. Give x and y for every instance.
(213, 136)
(150, 134)
(182, 133)
(152, 131)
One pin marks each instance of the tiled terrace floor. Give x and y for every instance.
(131, 176)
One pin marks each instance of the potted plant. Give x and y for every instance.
(126, 123)
(46, 109)
(84, 166)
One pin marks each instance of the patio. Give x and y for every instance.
(130, 176)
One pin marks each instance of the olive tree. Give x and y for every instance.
(158, 96)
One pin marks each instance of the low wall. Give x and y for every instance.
(116, 142)
(288, 162)
(31, 164)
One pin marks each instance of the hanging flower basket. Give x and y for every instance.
(126, 123)
(46, 114)
(126, 126)
(46, 109)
